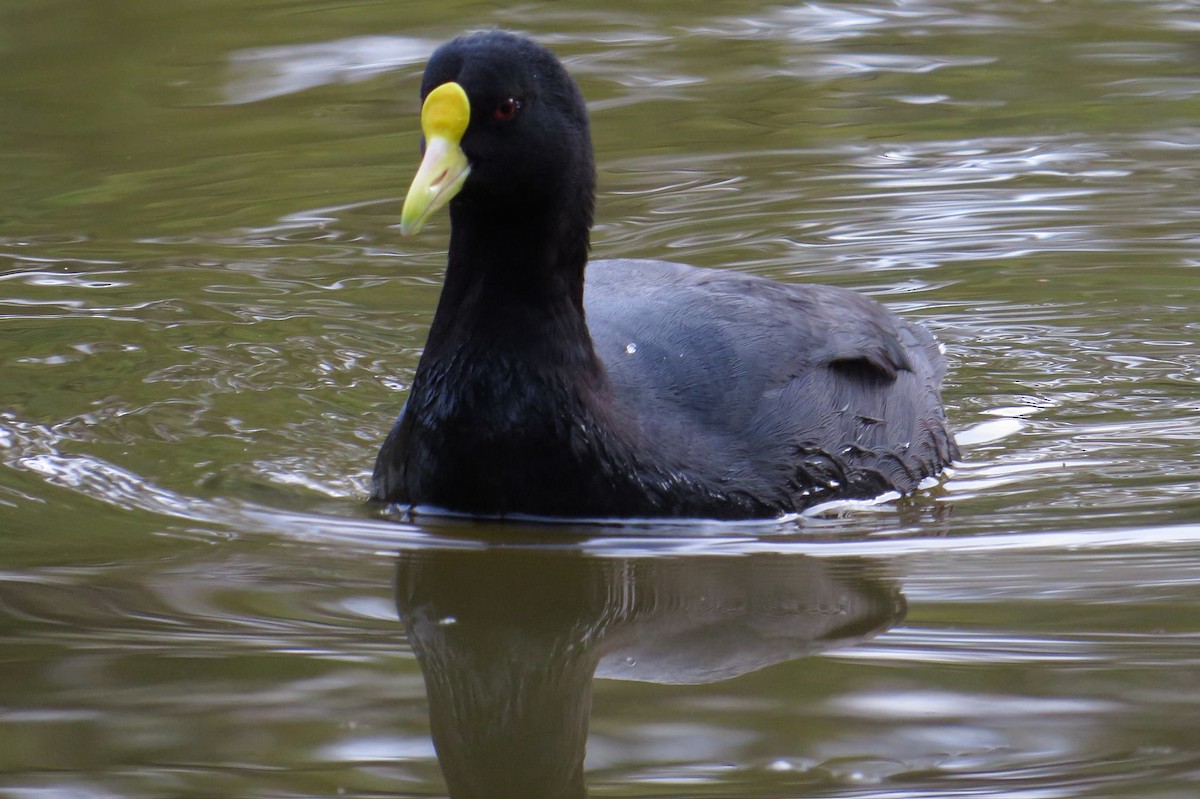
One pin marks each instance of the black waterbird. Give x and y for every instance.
(653, 389)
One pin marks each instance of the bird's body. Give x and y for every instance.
(652, 390)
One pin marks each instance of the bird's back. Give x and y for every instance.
(813, 392)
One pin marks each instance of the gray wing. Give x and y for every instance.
(772, 372)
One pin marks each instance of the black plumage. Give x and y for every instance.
(653, 390)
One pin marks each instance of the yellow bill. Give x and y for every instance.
(444, 118)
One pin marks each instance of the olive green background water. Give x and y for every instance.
(208, 320)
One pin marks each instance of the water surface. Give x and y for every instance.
(208, 320)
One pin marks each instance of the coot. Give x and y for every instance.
(651, 390)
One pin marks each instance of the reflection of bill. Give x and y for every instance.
(509, 641)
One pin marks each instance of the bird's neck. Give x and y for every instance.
(514, 284)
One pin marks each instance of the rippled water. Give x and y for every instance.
(208, 320)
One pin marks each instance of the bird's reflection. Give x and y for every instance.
(509, 641)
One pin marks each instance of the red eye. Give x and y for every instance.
(507, 109)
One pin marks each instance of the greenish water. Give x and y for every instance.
(208, 320)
